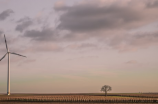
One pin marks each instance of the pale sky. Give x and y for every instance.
(77, 46)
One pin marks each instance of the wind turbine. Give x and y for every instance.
(8, 53)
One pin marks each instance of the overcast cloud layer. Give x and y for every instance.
(110, 22)
(80, 43)
(93, 16)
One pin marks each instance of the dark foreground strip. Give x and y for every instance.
(83, 101)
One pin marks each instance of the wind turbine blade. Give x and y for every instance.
(3, 57)
(17, 54)
(6, 42)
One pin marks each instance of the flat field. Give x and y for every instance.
(79, 98)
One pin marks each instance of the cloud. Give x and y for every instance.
(74, 77)
(82, 57)
(44, 47)
(109, 23)
(46, 34)
(152, 4)
(90, 16)
(134, 42)
(104, 73)
(5, 14)
(59, 4)
(82, 46)
(23, 24)
(132, 62)
(1, 32)
(29, 61)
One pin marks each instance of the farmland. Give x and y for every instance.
(84, 98)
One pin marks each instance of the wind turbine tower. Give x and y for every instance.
(8, 53)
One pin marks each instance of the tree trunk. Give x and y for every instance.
(105, 93)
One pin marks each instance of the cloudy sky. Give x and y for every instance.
(80, 45)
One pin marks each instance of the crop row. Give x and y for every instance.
(94, 99)
(81, 100)
(138, 96)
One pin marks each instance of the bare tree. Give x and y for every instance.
(106, 88)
